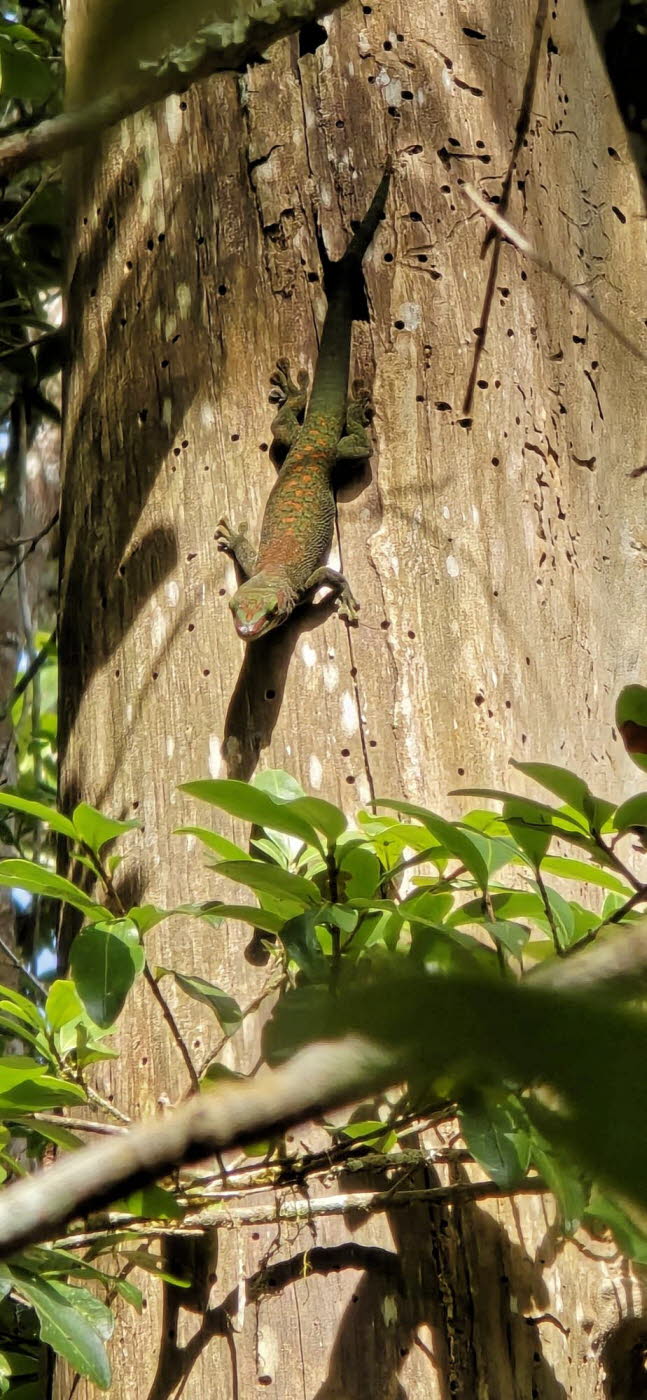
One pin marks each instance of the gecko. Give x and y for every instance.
(298, 524)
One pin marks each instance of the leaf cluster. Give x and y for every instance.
(447, 943)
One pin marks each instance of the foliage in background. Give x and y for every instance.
(31, 213)
(431, 936)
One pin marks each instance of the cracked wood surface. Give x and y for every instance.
(498, 554)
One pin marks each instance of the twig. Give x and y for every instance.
(34, 541)
(272, 985)
(34, 982)
(28, 676)
(234, 46)
(105, 1104)
(173, 1027)
(518, 241)
(291, 1209)
(76, 1125)
(15, 222)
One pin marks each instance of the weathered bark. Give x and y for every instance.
(496, 552)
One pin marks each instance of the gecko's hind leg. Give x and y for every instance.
(355, 445)
(293, 398)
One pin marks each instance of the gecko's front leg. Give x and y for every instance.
(236, 543)
(293, 398)
(348, 604)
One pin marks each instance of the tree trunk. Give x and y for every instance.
(495, 551)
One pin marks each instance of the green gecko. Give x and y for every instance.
(299, 518)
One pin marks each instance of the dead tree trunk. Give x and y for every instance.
(496, 551)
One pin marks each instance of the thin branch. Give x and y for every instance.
(272, 985)
(300, 1209)
(105, 1104)
(29, 675)
(75, 1125)
(17, 219)
(34, 541)
(518, 241)
(173, 1027)
(34, 982)
(220, 48)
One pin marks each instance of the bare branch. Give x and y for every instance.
(304, 1208)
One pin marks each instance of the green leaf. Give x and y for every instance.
(36, 1095)
(224, 849)
(302, 946)
(511, 936)
(444, 950)
(497, 1133)
(26, 875)
(153, 1203)
(260, 876)
(39, 810)
(567, 1186)
(63, 1004)
(631, 719)
(23, 75)
(244, 913)
(457, 842)
(632, 813)
(628, 1233)
(278, 784)
(147, 916)
(506, 904)
(226, 1010)
(379, 1137)
(93, 828)
(427, 906)
(322, 815)
(560, 781)
(562, 916)
(571, 789)
(343, 917)
(252, 805)
(103, 966)
(91, 1308)
(64, 1327)
(60, 1136)
(360, 872)
(216, 1073)
(532, 826)
(590, 874)
(21, 1007)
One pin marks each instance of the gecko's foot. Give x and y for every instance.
(286, 391)
(348, 604)
(227, 538)
(360, 406)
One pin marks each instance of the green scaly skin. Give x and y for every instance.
(299, 519)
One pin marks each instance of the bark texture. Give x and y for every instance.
(497, 549)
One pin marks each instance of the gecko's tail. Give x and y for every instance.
(363, 235)
(345, 277)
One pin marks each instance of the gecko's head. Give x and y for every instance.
(260, 604)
